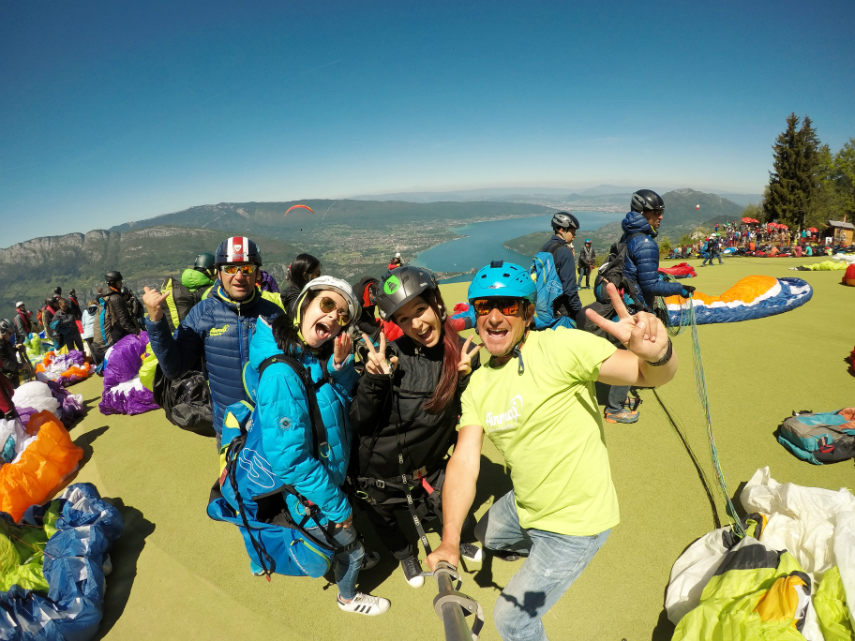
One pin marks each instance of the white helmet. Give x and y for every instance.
(337, 285)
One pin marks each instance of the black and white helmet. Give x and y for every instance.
(564, 220)
(401, 286)
(646, 200)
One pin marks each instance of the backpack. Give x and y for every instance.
(819, 437)
(612, 271)
(179, 301)
(550, 300)
(274, 540)
(186, 400)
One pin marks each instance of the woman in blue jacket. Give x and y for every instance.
(313, 333)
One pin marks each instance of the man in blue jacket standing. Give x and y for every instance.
(564, 226)
(640, 228)
(217, 328)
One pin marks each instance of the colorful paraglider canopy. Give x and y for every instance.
(812, 229)
(293, 207)
(750, 221)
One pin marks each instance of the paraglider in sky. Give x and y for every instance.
(293, 207)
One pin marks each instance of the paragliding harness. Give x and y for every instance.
(612, 271)
(819, 437)
(274, 540)
(551, 305)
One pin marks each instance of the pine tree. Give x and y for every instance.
(794, 179)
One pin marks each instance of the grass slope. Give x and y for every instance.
(179, 575)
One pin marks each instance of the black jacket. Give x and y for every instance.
(387, 414)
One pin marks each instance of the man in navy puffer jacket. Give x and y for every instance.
(640, 227)
(218, 328)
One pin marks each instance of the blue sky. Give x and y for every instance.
(115, 110)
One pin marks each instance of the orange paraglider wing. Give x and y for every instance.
(293, 207)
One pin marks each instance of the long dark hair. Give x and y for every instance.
(446, 386)
(286, 329)
(300, 269)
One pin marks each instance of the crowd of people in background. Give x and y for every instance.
(366, 398)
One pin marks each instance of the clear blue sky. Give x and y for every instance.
(117, 110)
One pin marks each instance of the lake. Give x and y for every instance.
(483, 242)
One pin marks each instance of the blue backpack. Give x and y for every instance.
(248, 496)
(819, 437)
(549, 289)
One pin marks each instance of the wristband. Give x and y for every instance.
(669, 352)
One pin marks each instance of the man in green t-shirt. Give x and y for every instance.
(535, 400)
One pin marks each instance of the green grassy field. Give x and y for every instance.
(179, 575)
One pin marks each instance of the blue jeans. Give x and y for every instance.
(347, 561)
(616, 398)
(554, 562)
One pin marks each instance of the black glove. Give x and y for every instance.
(687, 292)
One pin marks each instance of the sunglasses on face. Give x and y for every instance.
(506, 306)
(231, 270)
(328, 305)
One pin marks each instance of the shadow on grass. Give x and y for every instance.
(701, 476)
(493, 482)
(84, 441)
(124, 555)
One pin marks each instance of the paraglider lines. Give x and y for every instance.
(701, 388)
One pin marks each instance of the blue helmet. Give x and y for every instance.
(500, 279)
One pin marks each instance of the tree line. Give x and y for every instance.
(808, 184)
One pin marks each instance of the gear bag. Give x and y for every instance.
(819, 437)
(246, 494)
(550, 309)
(612, 271)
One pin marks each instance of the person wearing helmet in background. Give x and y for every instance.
(22, 322)
(185, 292)
(396, 262)
(564, 226)
(117, 321)
(9, 366)
(315, 334)
(218, 328)
(535, 399)
(405, 411)
(641, 269)
(587, 259)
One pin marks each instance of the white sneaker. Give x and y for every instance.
(471, 552)
(413, 571)
(364, 604)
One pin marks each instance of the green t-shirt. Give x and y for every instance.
(546, 423)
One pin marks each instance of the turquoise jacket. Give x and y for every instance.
(281, 431)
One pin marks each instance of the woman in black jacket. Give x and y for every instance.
(405, 412)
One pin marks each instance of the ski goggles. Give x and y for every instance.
(506, 306)
(247, 269)
(328, 305)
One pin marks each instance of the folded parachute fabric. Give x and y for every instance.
(42, 462)
(52, 567)
(680, 270)
(65, 369)
(123, 392)
(759, 587)
(751, 297)
(34, 396)
(823, 266)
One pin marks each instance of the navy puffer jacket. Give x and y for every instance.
(642, 261)
(219, 329)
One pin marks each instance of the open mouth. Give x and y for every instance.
(322, 330)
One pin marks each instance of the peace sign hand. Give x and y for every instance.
(377, 362)
(464, 366)
(643, 333)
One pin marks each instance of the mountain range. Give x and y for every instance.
(352, 237)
